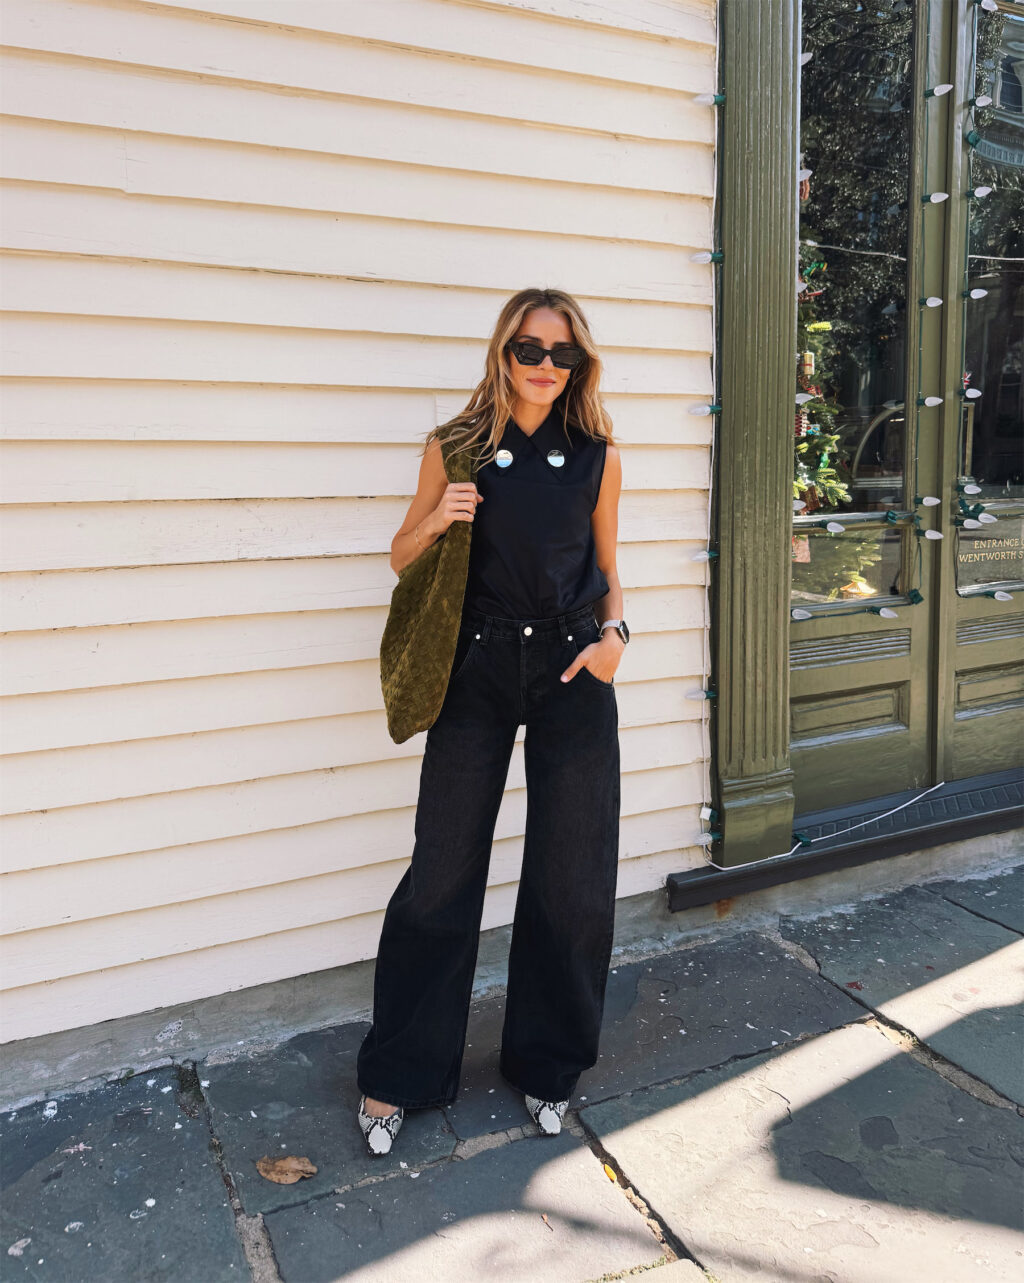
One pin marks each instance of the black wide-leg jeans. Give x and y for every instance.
(505, 674)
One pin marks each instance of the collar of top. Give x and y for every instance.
(549, 435)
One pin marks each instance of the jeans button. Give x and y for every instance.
(527, 630)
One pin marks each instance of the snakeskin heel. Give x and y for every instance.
(547, 1114)
(379, 1133)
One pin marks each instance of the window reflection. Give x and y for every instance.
(992, 426)
(855, 138)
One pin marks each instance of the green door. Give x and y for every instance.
(905, 661)
(983, 649)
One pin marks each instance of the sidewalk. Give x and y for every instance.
(844, 1101)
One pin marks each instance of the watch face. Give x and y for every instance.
(624, 630)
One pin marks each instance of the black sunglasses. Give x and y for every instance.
(565, 358)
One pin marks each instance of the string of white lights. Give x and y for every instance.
(705, 681)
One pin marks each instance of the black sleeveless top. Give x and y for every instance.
(532, 553)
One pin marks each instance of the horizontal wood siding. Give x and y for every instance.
(251, 253)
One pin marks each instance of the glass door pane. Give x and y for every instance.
(850, 447)
(991, 447)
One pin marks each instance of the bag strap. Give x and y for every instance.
(458, 467)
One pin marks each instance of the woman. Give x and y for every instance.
(540, 639)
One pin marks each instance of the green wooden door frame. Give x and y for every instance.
(758, 235)
(759, 221)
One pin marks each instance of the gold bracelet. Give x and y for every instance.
(416, 536)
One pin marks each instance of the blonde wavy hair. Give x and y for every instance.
(480, 424)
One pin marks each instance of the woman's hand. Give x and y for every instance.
(458, 503)
(601, 657)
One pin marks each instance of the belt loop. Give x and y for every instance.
(563, 627)
(485, 630)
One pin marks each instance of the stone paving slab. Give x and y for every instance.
(301, 1098)
(952, 978)
(117, 1185)
(688, 1010)
(732, 997)
(479, 1219)
(839, 1158)
(1000, 897)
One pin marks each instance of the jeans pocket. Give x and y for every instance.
(581, 639)
(465, 648)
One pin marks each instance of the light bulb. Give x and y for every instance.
(704, 410)
(799, 505)
(930, 500)
(975, 293)
(971, 488)
(938, 91)
(835, 527)
(803, 397)
(929, 400)
(704, 839)
(800, 614)
(933, 534)
(803, 174)
(1000, 594)
(980, 192)
(709, 100)
(800, 286)
(971, 524)
(934, 198)
(982, 100)
(972, 394)
(705, 554)
(932, 301)
(805, 58)
(707, 256)
(986, 518)
(989, 6)
(885, 611)
(699, 694)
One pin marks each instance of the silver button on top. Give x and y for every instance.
(527, 630)
(556, 458)
(503, 458)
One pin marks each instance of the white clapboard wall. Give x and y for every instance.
(252, 250)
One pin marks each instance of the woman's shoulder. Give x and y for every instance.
(587, 441)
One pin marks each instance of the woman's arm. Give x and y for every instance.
(436, 504)
(604, 522)
(602, 657)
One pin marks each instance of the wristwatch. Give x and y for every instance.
(620, 627)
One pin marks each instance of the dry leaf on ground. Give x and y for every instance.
(285, 1170)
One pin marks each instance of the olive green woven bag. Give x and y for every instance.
(422, 629)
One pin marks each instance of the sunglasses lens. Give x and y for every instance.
(565, 358)
(528, 353)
